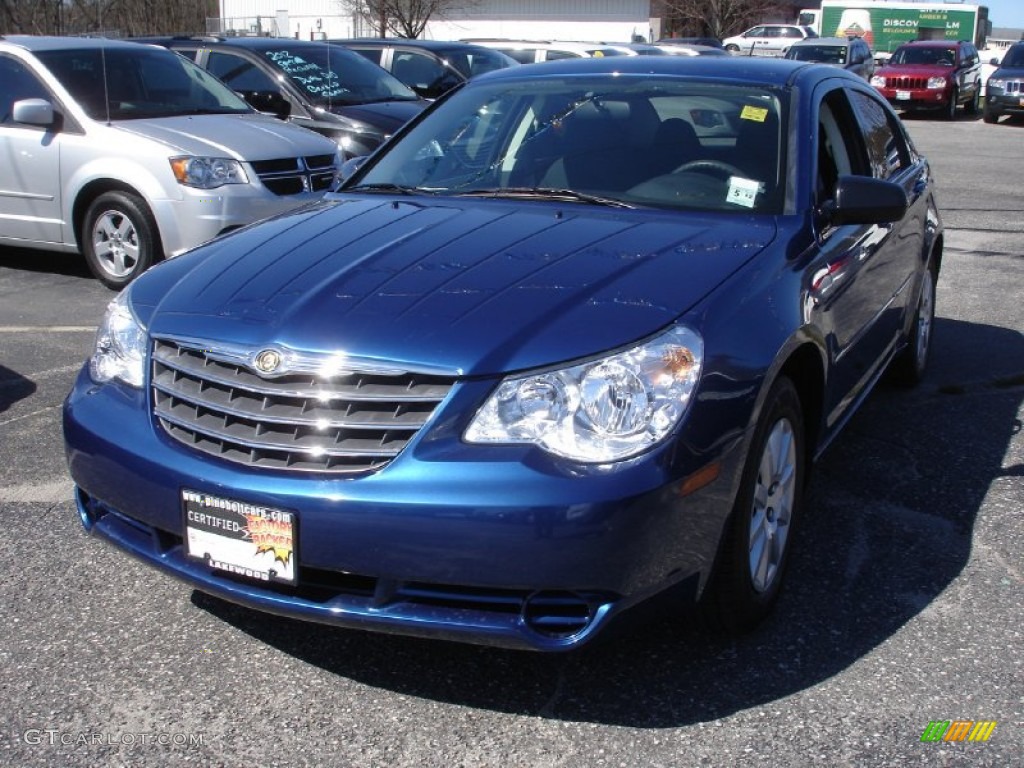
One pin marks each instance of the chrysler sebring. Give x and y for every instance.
(572, 340)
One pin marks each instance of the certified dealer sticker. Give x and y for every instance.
(245, 539)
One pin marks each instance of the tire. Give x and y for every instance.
(950, 113)
(119, 238)
(990, 116)
(732, 48)
(975, 102)
(751, 563)
(909, 367)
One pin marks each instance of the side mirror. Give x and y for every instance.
(33, 112)
(350, 166)
(269, 102)
(864, 200)
(994, 62)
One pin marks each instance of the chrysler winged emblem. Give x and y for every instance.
(267, 360)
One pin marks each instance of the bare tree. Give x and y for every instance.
(403, 18)
(120, 17)
(717, 18)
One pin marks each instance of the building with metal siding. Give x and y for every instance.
(532, 19)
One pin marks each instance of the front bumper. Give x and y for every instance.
(917, 98)
(1004, 103)
(500, 546)
(200, 215)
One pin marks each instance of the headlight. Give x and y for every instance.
(120, 351)
(935, 83)
(208, 172)
(878, 81)
(996, 83)
(604, 410)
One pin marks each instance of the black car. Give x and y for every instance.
(429, 67)
(1004, 93)
(710, 42)
(321, 87)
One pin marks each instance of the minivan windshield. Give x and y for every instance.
(121, 83)
(624, 141)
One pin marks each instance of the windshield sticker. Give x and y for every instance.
(757, 114)
(316, 80)
(743, 191)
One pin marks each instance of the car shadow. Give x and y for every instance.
(13, 387)
(891, 513)
(49, 262)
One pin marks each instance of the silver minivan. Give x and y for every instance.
(128, 153)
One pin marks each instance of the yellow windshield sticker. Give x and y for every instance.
(757, 114)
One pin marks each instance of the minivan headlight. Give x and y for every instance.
(604, 410)
(208, 172)
(120, 350)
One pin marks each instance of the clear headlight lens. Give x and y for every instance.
(936, 83)
(600, 411)
(208, 172)
(996, 83)
(120, 351)
(878, 81)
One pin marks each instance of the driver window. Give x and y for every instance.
(835, 156)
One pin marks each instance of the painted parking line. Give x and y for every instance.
(47, 328)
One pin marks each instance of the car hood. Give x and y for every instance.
(243, 137)
(465, 286)
(386, 116)
(914, 70)
(1009, 73)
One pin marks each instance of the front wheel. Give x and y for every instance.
(119, 238)
(950, 113)
(975, 102)
(751, 563)
(990, 116)
(732, 48)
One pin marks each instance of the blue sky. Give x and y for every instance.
(1005, 13)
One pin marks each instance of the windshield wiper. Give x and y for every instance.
(388, 188)
(546, 193)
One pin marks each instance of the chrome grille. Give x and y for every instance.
(350, 422)
(295, 175)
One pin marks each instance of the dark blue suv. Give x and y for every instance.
(1004, 92)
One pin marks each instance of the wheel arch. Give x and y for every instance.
(92, 190)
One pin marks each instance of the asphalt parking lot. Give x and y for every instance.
(903, 607)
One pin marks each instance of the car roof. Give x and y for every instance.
(53, 43)
(754, 70)
(934, 43)
(843, 41)
(429, 45)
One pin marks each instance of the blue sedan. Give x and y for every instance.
(573, 339)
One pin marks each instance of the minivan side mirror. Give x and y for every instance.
(33, 112)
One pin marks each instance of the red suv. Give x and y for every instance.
(932, 75)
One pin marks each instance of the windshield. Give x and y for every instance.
(471, 62)
(1014, 57)
(130, 84)
(636, 141)
(332, 75)
(927, 56)
(828, 54)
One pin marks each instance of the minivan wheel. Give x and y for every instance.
(119, 238)
(751, 562)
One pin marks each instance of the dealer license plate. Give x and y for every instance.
(245, 539)
(902, 95)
